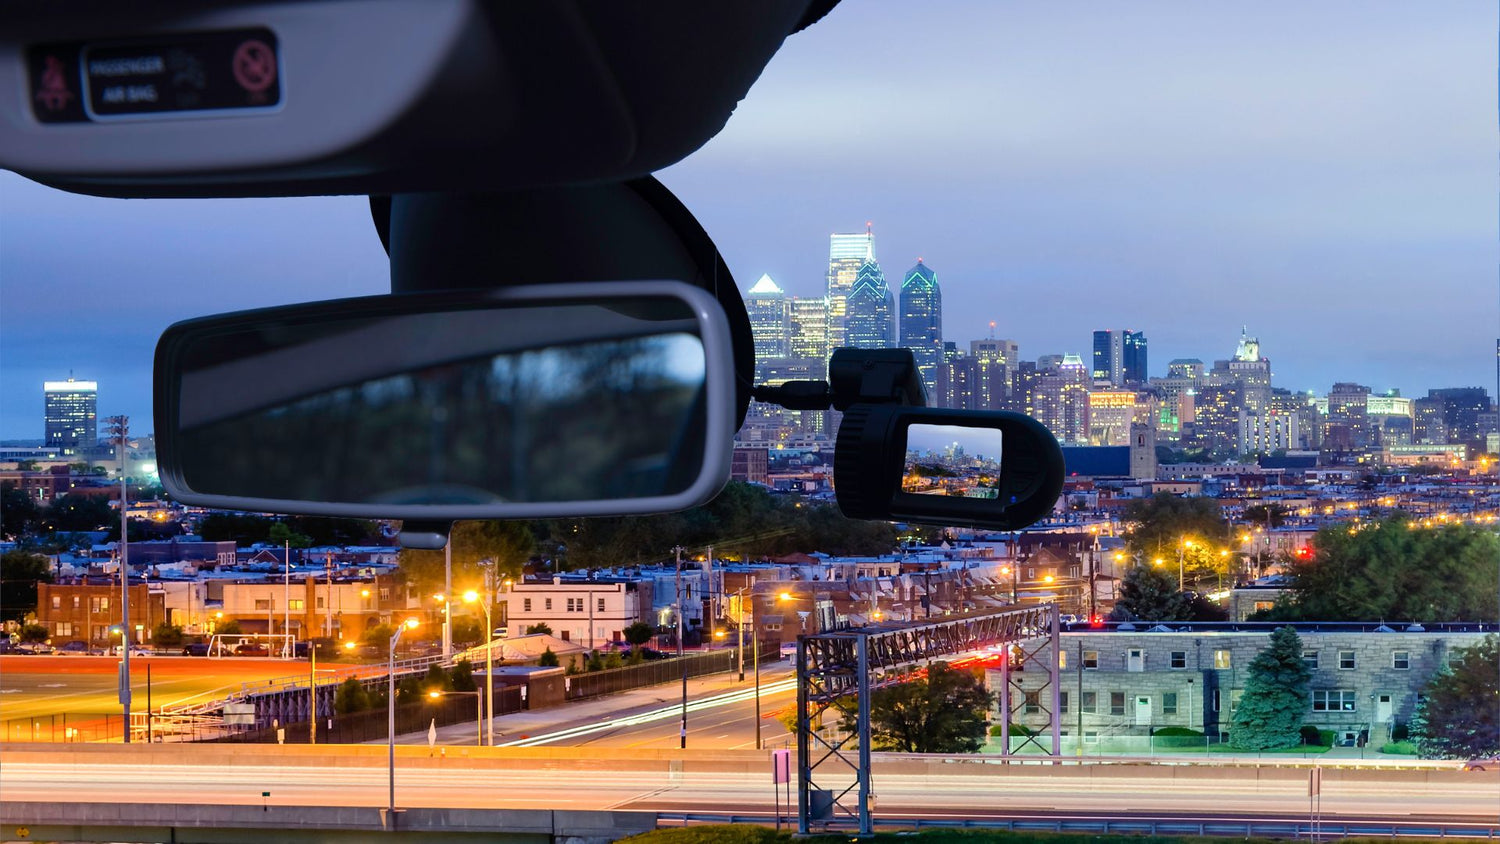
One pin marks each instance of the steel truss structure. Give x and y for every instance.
(838, 665)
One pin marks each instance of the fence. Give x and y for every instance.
(612, 680)
(371, 725)
(67, 727)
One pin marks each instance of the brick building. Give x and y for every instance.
(86, 609)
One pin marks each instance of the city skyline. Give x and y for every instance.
(1187, 169)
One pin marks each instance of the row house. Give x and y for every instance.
(592, 613)
(85, 609)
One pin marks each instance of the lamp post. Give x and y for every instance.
(471, 597)
(390, 712)
(1181, 551)
(478, 698)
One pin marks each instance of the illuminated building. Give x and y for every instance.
(869, 316)
(70, 415)
(846, 253)
(770, 321)
(1111, 414)
(1347, 423)
(809, 328)
(921, 324)
(1109, 358)
(1060, 400)
(1216, 418)
(1135, 357)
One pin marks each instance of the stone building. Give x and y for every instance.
(1132, 680)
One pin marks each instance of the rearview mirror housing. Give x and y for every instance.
(545, 401)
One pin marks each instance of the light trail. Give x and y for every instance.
(661, 714)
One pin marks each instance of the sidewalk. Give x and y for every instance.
(530, 722)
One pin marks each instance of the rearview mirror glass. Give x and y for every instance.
(523, 403)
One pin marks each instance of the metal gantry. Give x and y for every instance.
(838, 665)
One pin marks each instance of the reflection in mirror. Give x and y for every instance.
(952, 460)
(567, 402)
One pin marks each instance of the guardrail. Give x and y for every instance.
(1260, 828)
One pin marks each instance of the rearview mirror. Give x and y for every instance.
(524, 402)
(986, 469)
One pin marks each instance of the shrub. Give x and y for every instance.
(1177, 737)
(351, 697)
(1400, 732)
(1325, 737)
(1402, 748)
(1310, 734)
(1015, 730)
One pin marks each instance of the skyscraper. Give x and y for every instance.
(1252, 373)
(1134, 364)
(809, 329)
(846, 254)
(869, 317)
(1109, 357)
(770, 321)
(70, 415)
(922, 323)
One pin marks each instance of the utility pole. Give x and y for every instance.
(448, 599)
(328, 601)
(286, 598)
(681, 627)
(120, 427)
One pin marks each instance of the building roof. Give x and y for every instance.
(1111, 461)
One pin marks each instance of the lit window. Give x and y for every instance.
(1222, 660)
(1090, 659)
(297, 604)
(57, 602)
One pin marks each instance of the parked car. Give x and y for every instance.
(77, 646)
(195, 649)
(33, 648)
(1483, 763)
(251, 649)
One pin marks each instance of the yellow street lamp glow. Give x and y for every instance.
(412, 623)
(434, 694)
(1119, 557)
(349, 645)
(1156, 562)
(218, 615)
(786, 596)
(364, 593)
(1187, 543)
(471, 597)
(1047, 579)
(440, 598)
(719, 634)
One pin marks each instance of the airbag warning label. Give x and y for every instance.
(191, 74)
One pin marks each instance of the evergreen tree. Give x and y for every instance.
(351, 697)
(548, 659)
(1149, 593)
(463, 676)
(1275, 699)
(1456, 717)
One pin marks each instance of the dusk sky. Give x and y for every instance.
(1325, 174)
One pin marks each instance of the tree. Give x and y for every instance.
(467, 629)
(638, 633)
(944, 712)
(507, 544)
(548, 659)
(463, 676)
(1394, 570)
(76, 512)
(281, 533)
(1149, 593)
(540, 627)
(1275, 699)
(228, 627)
(1269, 515)
(1455, 716)
(20, 572)
(33, 633)
(19, 514)
(436, 679)
(243, 528)
(1163, 521)
(351, 697)
(379, 637)
(167, 635)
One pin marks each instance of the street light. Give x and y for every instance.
(472, 597)
(390, 710)
(1181, 551)
(478, 699)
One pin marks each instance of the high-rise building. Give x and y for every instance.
(809, 328)
(70, 415)
(770, 321)
(1216, 419)
(1135, 357)
(1461, 408)
(1109, 358)
(1111, 414)
(1346, 425)
(846, 254)
(1061, 400)
(1392, 419)
(869, 316)
(921, 324)
(1252, 373)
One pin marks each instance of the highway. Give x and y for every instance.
(903, 787)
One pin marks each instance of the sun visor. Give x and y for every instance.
(369, 96)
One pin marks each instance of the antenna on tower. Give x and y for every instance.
(992, 329)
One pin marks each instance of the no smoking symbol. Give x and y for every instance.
(254, 67)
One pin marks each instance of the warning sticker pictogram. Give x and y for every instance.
(254, 66)
(53, 91)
